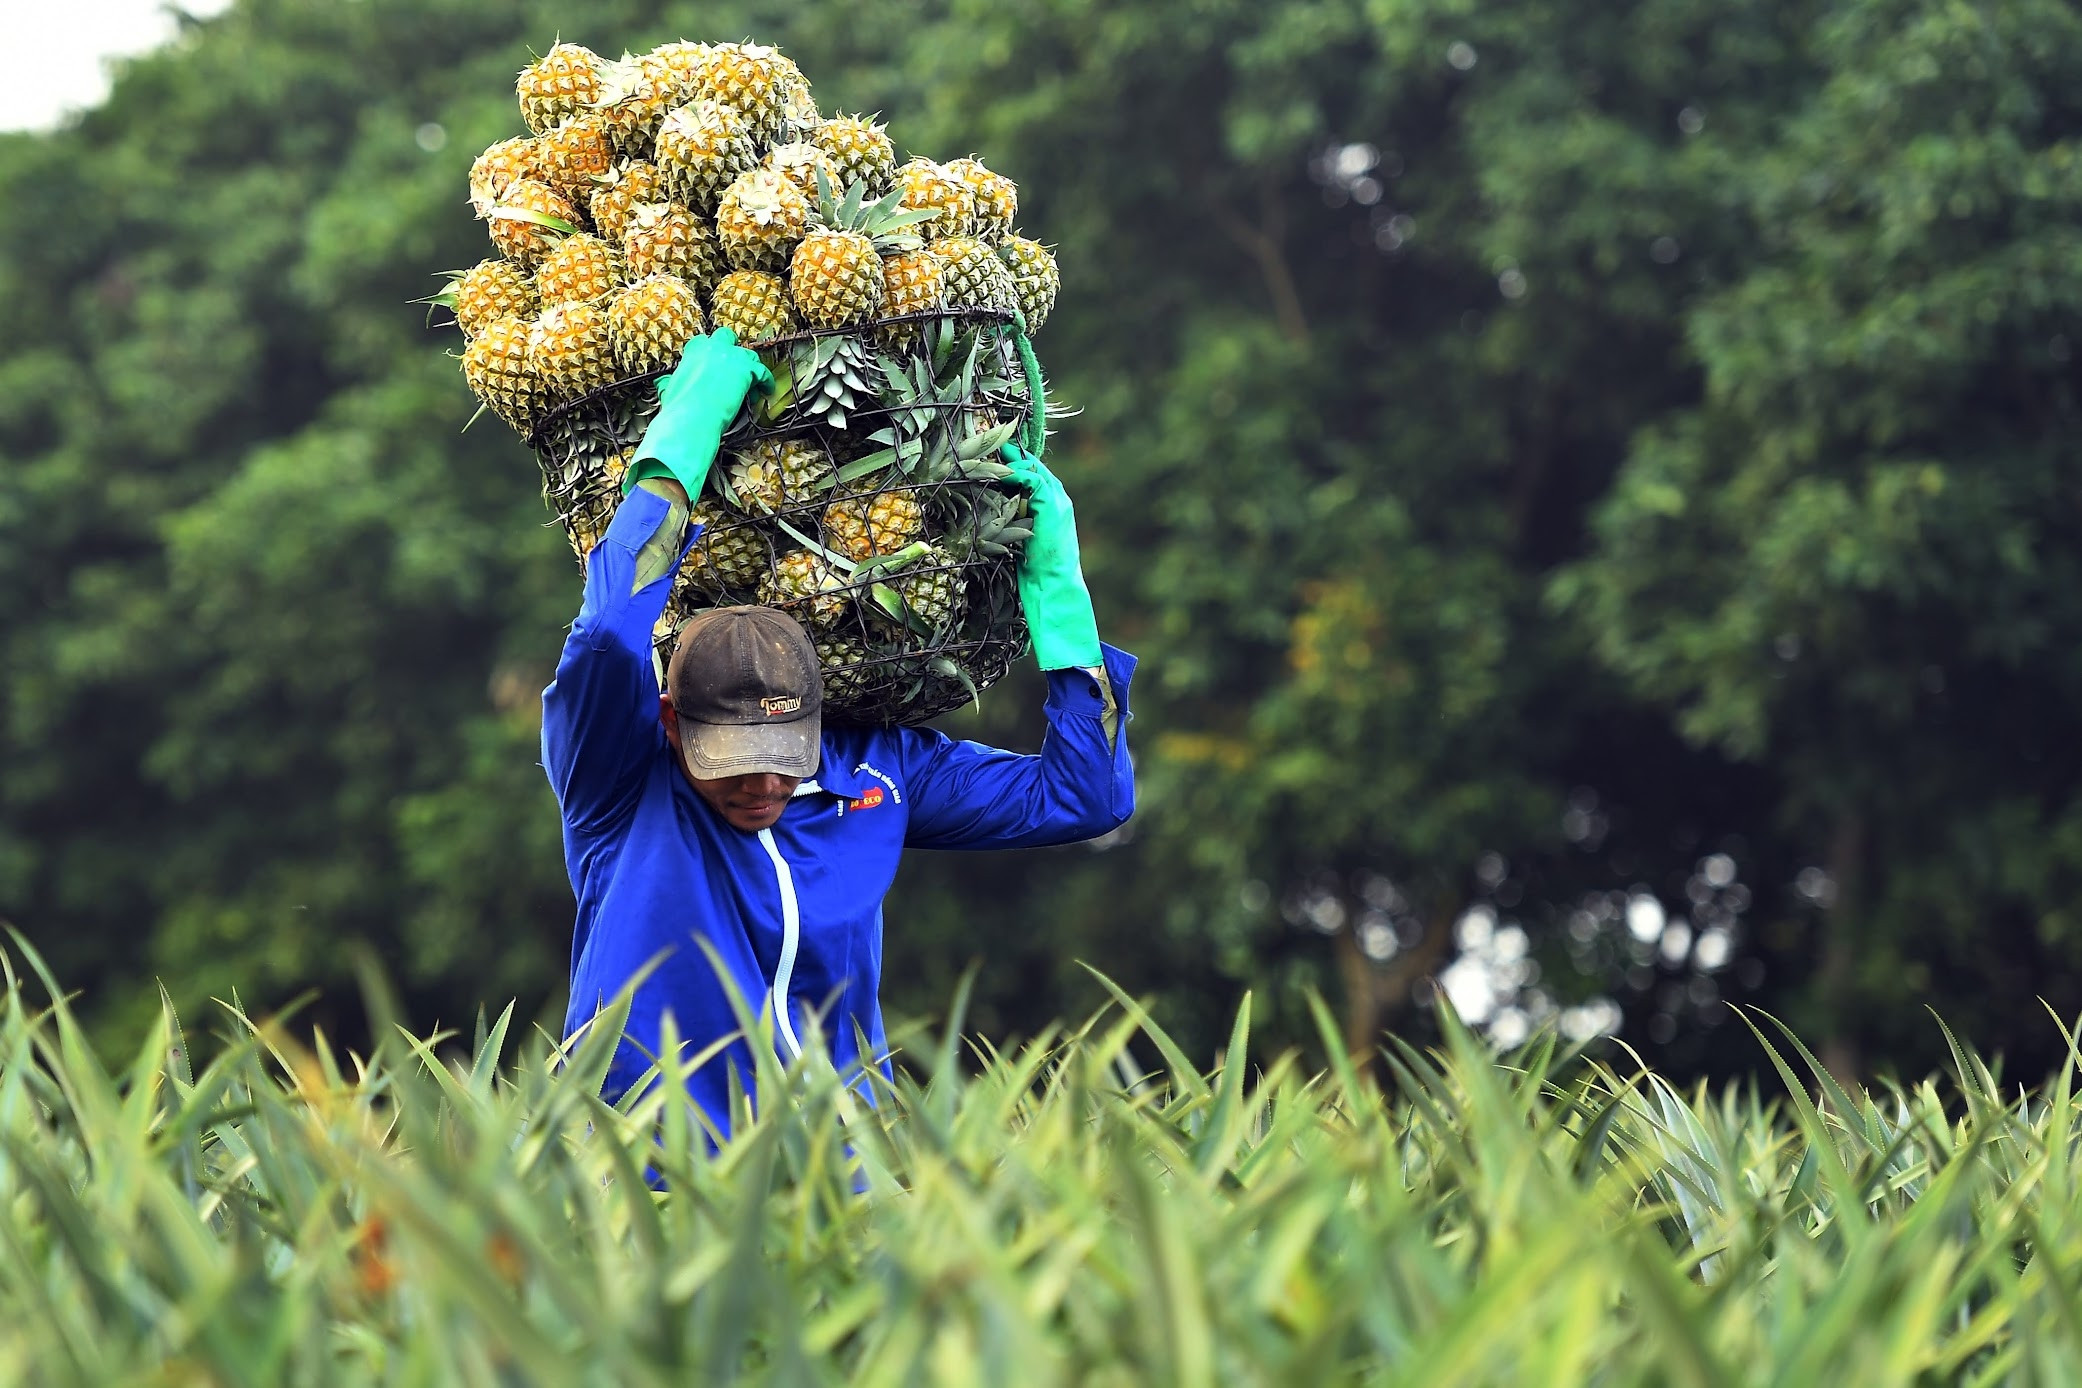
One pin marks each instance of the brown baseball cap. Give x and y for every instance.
(747, 686)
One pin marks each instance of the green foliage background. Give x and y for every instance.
(1662, 449)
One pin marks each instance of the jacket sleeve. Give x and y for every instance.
(600, 714)
(1081, 785)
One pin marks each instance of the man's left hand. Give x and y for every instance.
(1051, 576)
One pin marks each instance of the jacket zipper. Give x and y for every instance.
(791, 936)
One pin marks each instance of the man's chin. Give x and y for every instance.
(752, 821)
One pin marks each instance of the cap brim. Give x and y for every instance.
(782, 749)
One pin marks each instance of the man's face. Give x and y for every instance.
(750, 803)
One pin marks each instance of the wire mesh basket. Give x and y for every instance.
(864, 496)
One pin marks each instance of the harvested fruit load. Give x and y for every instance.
(697, 187)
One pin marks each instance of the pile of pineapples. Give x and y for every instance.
(696, 187)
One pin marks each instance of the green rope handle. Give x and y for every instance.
(1035, 436)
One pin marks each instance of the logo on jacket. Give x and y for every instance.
(867, 801)
(778, 704)
(884, 778)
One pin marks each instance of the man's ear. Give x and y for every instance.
(668, 717)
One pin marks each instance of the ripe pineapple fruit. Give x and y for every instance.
(728, 555)
(912, 282)
(760, 219)
(500, 370)
(499, 167)
(1035, 278)
(755, 81)
(626, 187)
(668, 239)
(520, 238)
(997, 197)
(576, 153)
(801, 162)
(975, 277)
(836, 277)
(558, 85)
(583, 269)
(572, 349)
(862, 151)
(701, 150)
(930, 188)
(488, 291)
(773, 473)
(862, 527)
(929, 591)
(651, 322)
(753, 305)
(847, 674)
(634, 99)
(806, 587)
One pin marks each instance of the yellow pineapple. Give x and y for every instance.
(912, 282)
(576, 153)
(677, 67)
(753, 305)
(930, 188)
(801, 162)
(929, 593)
(755, 81)
(499, 167)
(571, 348)
(668, 239)
(976, 278)
(558, 85)
(773, 473)
(863, 527)
(760, 219)
(850, 668)
(627, 186)
(488, 291)
(806, 587)
(651, 323)
(997, 197)
(515, 227)
(1035, 279)
(701, 149)
(835, 277)
(862, 151)
(583, 269)
(634, 100)
(500, 370)
(728, 556)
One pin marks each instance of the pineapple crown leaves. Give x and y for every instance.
(529, 214)
(881, 221)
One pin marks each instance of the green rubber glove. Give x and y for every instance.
(696, 403)
(1051, 580)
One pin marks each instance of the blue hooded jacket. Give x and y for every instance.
(795, 911)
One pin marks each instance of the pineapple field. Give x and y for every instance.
(697, 187)
(1055, 1213)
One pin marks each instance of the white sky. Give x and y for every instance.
(56, 51)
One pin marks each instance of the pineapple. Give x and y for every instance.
(930, 188)
(499, 167)
(1035, 279)
(677, 68)
(799, 118)
(929, 592)
(668, 239)
(755, 81)
(753, 305)
(835, 278)
(519, 237)
(634, 100)
(806, 587)
(847, 671)
(651, 322)
(762, 216)
(701, 150)
(728, 555)
(571, 347)
(801, 162)
(862, 152)
(627, 186)
(997, 197)
(975, 277)
(558, 85)
(488, 291)
(499, 369)
(912, 282)
(576, 153)
(862, 527)
(773, 473)
(583, 269)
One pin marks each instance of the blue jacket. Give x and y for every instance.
(794, 911)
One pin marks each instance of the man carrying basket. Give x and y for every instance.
(722, 810)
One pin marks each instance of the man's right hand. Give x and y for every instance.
(696, 403)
